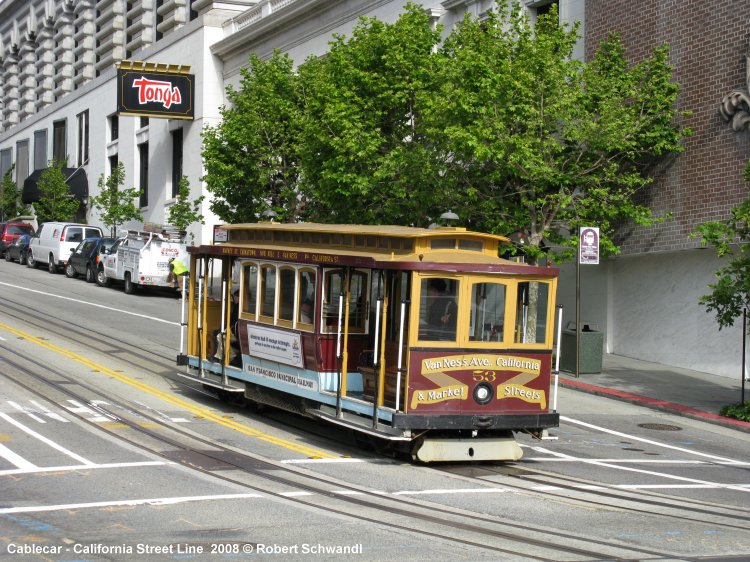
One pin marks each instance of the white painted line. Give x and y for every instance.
(634, 461)
(92, 304)
(297, 494)
(75, 467)
(649, 441)
(15, 459)
(26, 411)
(320, 461)
(150, 501)
(739, 488)
(93, 416)
(44, 440)
(451, 491)
(50, 414)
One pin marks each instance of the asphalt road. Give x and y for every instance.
(105, 454)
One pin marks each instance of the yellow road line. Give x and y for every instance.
(171, 399)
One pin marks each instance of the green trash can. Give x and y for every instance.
(592, 346)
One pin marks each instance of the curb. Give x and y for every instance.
(661, 405)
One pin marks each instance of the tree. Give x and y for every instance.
(116, 205)
(542, 143)
(730, 295)
(56, 202)
(250, 157)
(364, 153)
(183, 212)
(11, 204)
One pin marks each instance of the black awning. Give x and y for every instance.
(75, 178)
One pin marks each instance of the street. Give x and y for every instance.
(107, 454)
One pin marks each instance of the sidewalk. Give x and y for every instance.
(671, 389)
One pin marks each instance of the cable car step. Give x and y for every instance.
(212, 383)
(358, 423)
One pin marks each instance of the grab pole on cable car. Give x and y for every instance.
(376, 353)
(342, 339)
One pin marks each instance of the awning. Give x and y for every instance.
(75, 178)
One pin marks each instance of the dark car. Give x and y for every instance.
(85, 257)
(19, 249)
(9, 231)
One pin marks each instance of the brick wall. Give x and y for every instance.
(708, 41)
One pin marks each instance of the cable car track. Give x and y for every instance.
(143, 357)
(732, 516)
(397, 513)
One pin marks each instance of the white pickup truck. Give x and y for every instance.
(141, 259)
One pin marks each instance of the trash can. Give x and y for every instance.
(592, 346)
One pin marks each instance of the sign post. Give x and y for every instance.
(588, 254)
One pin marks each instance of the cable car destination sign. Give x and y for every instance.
(155, 90)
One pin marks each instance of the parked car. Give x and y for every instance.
(84, 259)
(9, 231)
(19, 250)
(54, 241)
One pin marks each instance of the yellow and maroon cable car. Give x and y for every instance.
(424, 339)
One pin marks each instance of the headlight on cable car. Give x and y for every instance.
(483, 393)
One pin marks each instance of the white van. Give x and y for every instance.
(54, 241)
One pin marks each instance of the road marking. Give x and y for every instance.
(44, 439)
(15, 459)
(170, 398)
(97, 305)
(649, 441)
(69, 468)
(26, 411)
(124, 503)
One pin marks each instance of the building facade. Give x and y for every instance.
(58, 100)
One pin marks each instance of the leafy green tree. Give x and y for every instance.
(542, 143)
(730, 295)
(185, 211)
(116, 205)
(251, 157)
(11, 204)
(56, 202)
(365, 155)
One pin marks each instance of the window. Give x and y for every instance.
(335, 291)
(40, 149)
(22, 162)
(59, 150)
(143, 122)
(267, 292)
(73, 234)
(83, 138)
(531, 312)
(113, 161)
(438, 309)
(287, 276)
(176, 161)
(114, 127)
(306, 308)
(487, 312)
(249, 288)
(143, 173)
(6, 161)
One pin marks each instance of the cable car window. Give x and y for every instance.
(487, 312)
(531, 312)
(287, 277)
(249, 288)
(471, 245)
(267, 292)
(443, 244)
(334, 287)
(438, 309)
(306, 314)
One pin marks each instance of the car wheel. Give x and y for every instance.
(21, 258)
(101, 278)
(7, 257)
(30, 261)
(51, 266)
(70, 271)
(90, 275)
(129, 285)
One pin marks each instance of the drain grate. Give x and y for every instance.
(660, 426)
